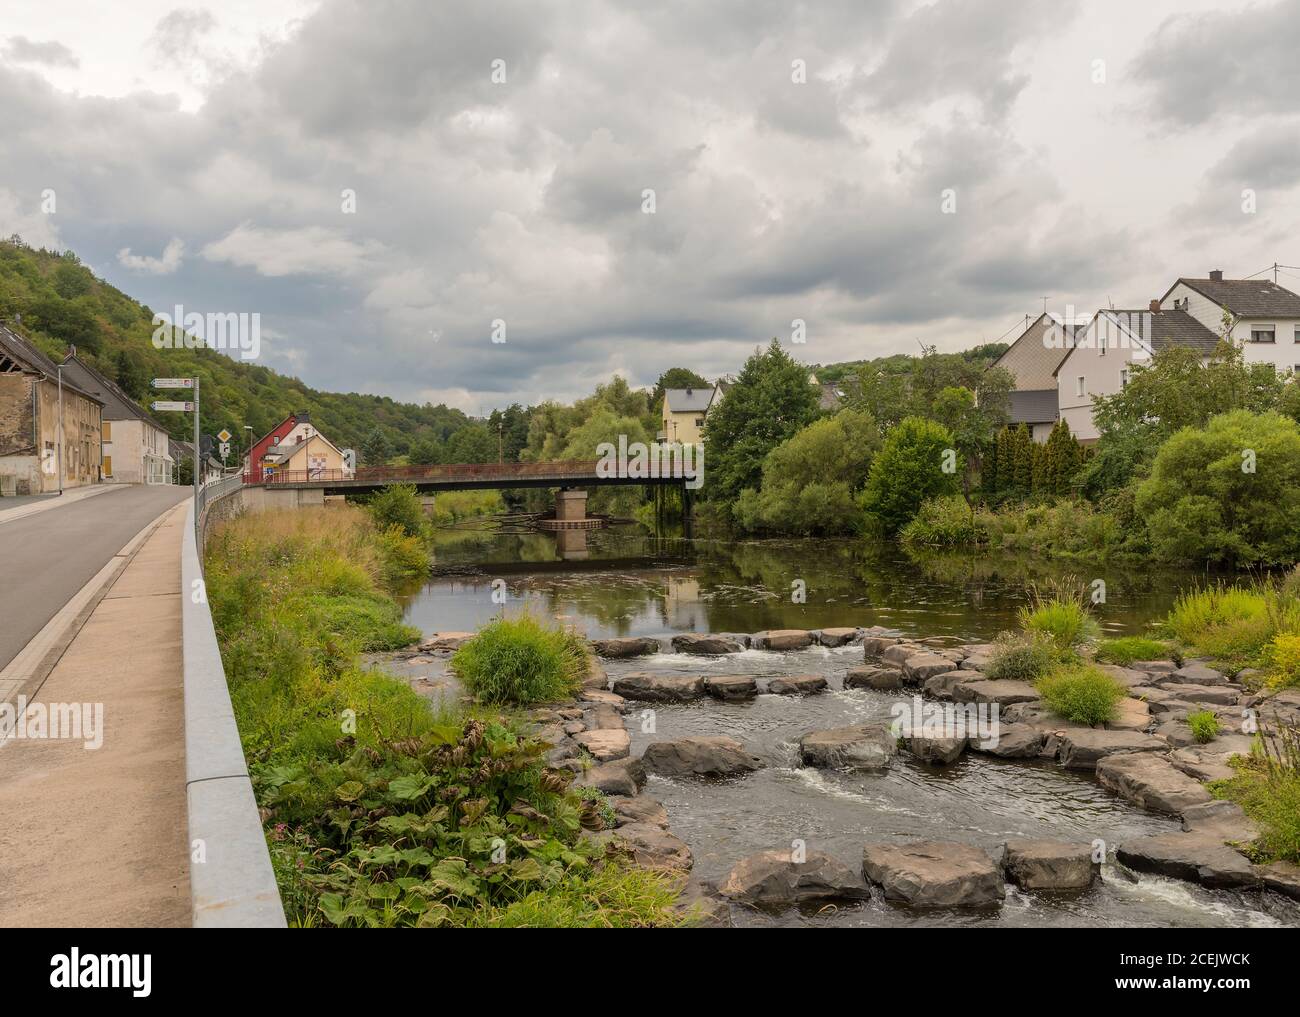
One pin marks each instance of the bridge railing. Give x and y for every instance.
(460, 471)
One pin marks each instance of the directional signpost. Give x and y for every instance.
(184, 407)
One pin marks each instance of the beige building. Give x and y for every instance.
(304, 453)
(135, 448)
(684, 411)
(38, 452)
(1032, 360)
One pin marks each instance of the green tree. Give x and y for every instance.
(909, 468)
(473, 443)
(424, 452)
(375, 449)
(770, 401)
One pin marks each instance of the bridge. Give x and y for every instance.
(468, 476)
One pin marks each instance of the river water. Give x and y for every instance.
(622, 582)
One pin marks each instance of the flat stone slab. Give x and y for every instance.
(1210, 761)
(1131, 715)
(836, 636)
(603, 717)
(1013, 741)
(1217, 695)
(1282, 877)
(918, 667)
(1049, 864)
(796, 685)
(625, 646)
(606, 744)
(781, 639)
(649, 687)
(1083, 748)
(1155, 667)
(774, 879)
(1196, 857)
(639, 809)
(620, 777)
(874, 647)
(881, 678)
(861, 747)
(706, 645)
(1176, 733)
(1198, 674)
(1126, 676)
(933, 874)
(700, 756)
(602, 696)
(653, 847)
(1150, 781)
(938, 751)
(1224, 820)
(895, 653)
(1000, 691)
(446, 641)
(731, 688)
(940, 686)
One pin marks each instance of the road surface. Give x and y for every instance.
(47, 557)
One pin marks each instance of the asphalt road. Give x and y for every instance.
(45, 558)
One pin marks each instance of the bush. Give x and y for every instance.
(1234, 625)
(1063, 617)
(1284, 661)
(401, 556)
(521, 661)
(1204, 725)
(1081, 693)
(908, 470)
(1022, 658)
(1126, 649)
(945, 522)
(1267, 786)
(398, 505)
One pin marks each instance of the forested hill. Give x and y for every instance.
(60, 302)
(980, 356)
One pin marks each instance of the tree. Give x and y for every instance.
(375, 450)
(424, 452)
(1062, 458)
(770, 401)
(909, 468)
(473, 443)
(1229, 492)
(1022, 462)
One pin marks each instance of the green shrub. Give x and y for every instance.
(1204, 725)
(521, 661)
(945, 522)
(398, 505)
(1284, 661)
(371, 622)
(1126, 649)
(401, 556)
(908, 469)
(1267, 786)
(1062, 616)
(1023, 658)
(1234, 625)
(1081, 693)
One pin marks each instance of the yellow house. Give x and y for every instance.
(308, 456)
(684, 412)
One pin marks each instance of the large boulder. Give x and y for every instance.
(605, 744)
(773, 879)
(836, 636)
(1083, 748)
(1150, 781)
(619, 777)
(653, 847)
(939, 751)
(1130, 715)
(873, 647)
(731, 688)
(700, 756)
(933, 874)
(1197, 674)
(1049, 864)
(920, 666)
(881, 678)
(1198, 857)
(625, 646)
(781, 639)
(649, 687)
(862, 747)
(1000, 691)
(1013, 741)
(940, 686)
(706, 645)
(639, 809)
(796, 685)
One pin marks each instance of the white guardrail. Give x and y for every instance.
(232, 884)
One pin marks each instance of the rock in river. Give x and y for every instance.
(712, 646)
(731, 688)
(1151, 781)
(796, 685)
(1049, 865)
(940, 751)
(620, 777)
(863, 746)
(772, 878)
(650, 687)
(933, 874)
(883, 678)
(700, 756)
(781, 639)
(606, 744)
(1081, 748)
(626, 646)
(836, 636)
(1198, 857)
(920, 666)
(1000, 691)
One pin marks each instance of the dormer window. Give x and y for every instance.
(1263, 333)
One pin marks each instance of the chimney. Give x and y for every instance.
(1154, 306)
(1216, 275)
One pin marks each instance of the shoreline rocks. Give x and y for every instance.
(625, 646)
(706, 645)
(700, 756)
(1049, 864)
(774, 879)
(650, 687)
(796, 685)
(933, 874)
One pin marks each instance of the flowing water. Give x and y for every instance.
(625, 583)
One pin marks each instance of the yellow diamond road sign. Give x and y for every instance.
(223, 435)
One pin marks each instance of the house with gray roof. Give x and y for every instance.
(1032, 361)
(134, 447)
(1263, 318)
(683, 413)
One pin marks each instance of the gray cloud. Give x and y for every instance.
(22, 50)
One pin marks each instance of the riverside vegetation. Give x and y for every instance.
(381, 810)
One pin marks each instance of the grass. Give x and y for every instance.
(1267, 787)
(944, 522)
(1124, 650)
(1061, 616)
(1205, 726)
(1081, 693)
(380, 810)
(1284, 661)
(1235, 626)
(520, 661)
(1024, 658)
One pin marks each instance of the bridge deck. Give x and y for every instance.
(467, 476)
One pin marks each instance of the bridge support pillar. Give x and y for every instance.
(570, 505)
(427, 503)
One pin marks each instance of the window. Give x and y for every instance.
(1263, 334)
(107, 429)
(1079, 386)
(1123, 377)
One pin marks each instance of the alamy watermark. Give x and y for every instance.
(920, 719)
(217, 330)
(638, 461)
(82, 722)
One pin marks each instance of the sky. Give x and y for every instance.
(479, 204)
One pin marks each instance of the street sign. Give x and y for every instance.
(224, 449)
(172, 404)
(173, 383)
(349, 459)
(223, 435)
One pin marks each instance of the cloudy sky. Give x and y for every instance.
(888, 172)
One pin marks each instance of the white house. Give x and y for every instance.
(134, 448)
(1264, 317)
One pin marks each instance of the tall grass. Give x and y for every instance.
(1061, 615)
(1018, 657)
(1124, 650)
(1267, 786)
(1235, 625)
(1081, 693)
(520, 661)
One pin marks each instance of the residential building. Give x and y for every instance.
(1263, 317)
(684, 411)
(134, 447)
(302, 454)
(1032, 360)
(39, 452)
(1104, 353)
(253, 466)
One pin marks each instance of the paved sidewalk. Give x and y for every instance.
(98, 837)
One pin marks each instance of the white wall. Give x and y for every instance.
(1284, 354)
(1102, 371)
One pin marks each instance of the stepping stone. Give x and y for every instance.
(653, 847)
(1282, 877)
(1130, 715)
(861, 747)
(1196, 857)
(700, 756)
(1150, 781)
(977, 662)
(921, 666)
(941, 685)
(836, 636)
(1224, 820)
(796, 685)
(625, 646)
(1000, 691)
(1197, 674)
(620, 777)
(603, 718)
(1083, 748)
(1013, 741)
(939, 751)
(731, 688)
(1126, 676)
(649, 687)
(1155, 667)
(639, 809)
(605, 745)
(781, 639)
(881, 678)
(773, 879)
(1176, 733)
(597, 677)
(933, 874)
(896, 653)
(874, 647)
(1219, 695)
(1049, 864)
(603, 697)
(1210, 761)
(710, 646)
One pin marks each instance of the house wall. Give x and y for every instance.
(1284, 354)
(16, 413)
(254, 474)
(81, 435)
(312, 452)
(138, 452)
(686, 429)
(1101, 371)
